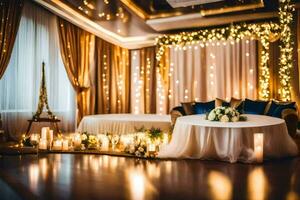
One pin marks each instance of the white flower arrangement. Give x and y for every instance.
(225, 114)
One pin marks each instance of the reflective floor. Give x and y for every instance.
(67, 176)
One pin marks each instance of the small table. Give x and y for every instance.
(197, 138)
(51, 121)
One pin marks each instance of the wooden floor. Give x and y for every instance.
(67, 176)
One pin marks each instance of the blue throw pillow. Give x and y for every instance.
(277, 112)
(274, 105)
(225, 104)
(240, 107)
(254, 107)
(204, 107)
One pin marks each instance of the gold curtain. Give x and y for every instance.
(10, 14)
(113, 78)
(75, 46)
(148, 77)
(163, 72)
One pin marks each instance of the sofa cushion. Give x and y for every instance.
(221, 102)
(238, 104)
(277, 112)
(204, 107)
(276, 104)
(188, 108)
(254, 107)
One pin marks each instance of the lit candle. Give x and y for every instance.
(50, 138)
(259, 147)
(44, 133)
(151, 148)
(105, 144)
(43, 144)
(77, 141)
(65, 145)
(166, 138)
(57, 145)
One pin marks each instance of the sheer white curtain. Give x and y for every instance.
(206, 71)
(201, 72)
(37, 41)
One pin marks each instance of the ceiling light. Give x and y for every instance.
(185, 3)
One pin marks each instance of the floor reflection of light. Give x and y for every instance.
(153, 171)
(43, 165)
(220, 185)
(113, 162)
(292, 196)
(257, 184)
(168, 167)
(33, 176)
(105, 162)
(137, 184)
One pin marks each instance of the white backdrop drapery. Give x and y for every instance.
(202, 72)
(37, 41)
(212, 70)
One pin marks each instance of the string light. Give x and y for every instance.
(286, 9)
(234, 33)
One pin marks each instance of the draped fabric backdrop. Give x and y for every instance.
(200, 72)
(112, 78)
(10, 15)
(213, 70)
(36, 41)
(143, 81)
(77, 51)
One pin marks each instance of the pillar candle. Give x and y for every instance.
(105, 144)
(43, 144)
(151, 147)
(77, 141)
(259, 147)
(44, 133)
(50, 138)
(165, 138)
(57, 145)
(65, 145)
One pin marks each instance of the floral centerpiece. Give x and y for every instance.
(90, 141)
(154, 134)
(138, 149)
(225, 114)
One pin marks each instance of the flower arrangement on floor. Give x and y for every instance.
(89, 141)
(139, 149)
(154, 134)
(225, 114)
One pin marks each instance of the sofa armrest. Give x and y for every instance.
(290, 117)
(175, 113)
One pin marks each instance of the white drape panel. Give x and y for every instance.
(212, 70)
(37, 41)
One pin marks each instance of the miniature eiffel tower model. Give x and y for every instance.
(43, 99)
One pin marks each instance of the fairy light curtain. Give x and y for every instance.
(143, 81)
(112, 78)
(205, 71)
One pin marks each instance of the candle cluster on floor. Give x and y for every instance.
(142, 143)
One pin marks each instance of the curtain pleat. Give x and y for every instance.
(75, 47)
(148, 78)
(112, 79)
(10, 15)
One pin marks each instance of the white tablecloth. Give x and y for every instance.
(123, 123)
(195, 137)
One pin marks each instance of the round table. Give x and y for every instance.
(195, 137)
(123, 123)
